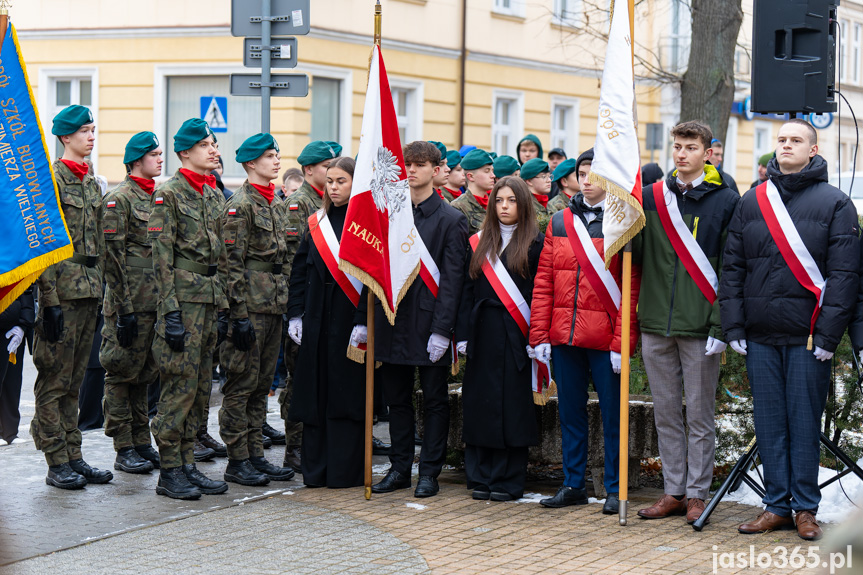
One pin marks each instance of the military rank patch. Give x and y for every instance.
(111, 205)
(292, 232)
(107, 231)
(232, 212)
(227, 241)
(154, 229)
(294, 207)
(158, 201)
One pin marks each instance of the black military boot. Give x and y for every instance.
(64, 477)
(129, 461)
(202, 482)
(173, 483)
(242, 472)
(150, 454)
(270, 470)
(268, 443)
(202, 452)
(293, 457)
(208, 440)
(276, 436)
(91, 474)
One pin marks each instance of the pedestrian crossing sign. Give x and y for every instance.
(214, 111)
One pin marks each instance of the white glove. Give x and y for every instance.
(295, 329)
(714, 346)
(822, 354)
(615, 361)
(543, 352)
(739, 345)
(14, 335)
(531, 353)
(461, 347)
(360, 334)
(437, 347)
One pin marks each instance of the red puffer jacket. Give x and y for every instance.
(565, 309)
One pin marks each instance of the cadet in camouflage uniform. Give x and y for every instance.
(69, 294)
(130, 307)
(455, 179)
(185, 232)
(535, 173)
(439, 181)
(254, 231)
(567, 181)
(479, 172)
(505, 166)
(314, 161)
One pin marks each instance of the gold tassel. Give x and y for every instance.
(809, 343)
(356, 354)
(542, 398)
(723, 358)
(454, 367)
(13, 359)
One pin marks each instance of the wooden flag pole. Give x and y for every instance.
(4, 20)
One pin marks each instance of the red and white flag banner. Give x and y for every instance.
(590, 260)
(379, 243)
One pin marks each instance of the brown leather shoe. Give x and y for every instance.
(807, 527)
(765, 522)
(665, 507)
(694, 509)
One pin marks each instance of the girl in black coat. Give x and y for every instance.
(499, 414)
(16, 323)
(329, 390)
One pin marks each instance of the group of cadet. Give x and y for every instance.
(186, 271)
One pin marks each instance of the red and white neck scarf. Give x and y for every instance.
(591, 260)
(791, 246)
(687, 249)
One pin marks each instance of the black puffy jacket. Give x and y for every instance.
(760, 298)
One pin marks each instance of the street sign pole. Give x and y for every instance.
(265, 66)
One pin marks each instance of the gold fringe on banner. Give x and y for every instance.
(356, 354)
(542, 398)
(618, 192)
(376, 288)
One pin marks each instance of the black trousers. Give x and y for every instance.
(90, 414)
(10, 392)
(498, 470)
(398, 386)
(333, 453)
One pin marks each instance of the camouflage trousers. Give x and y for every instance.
(293, 429)
(61, 368)
(186, 383)
(250, 375)
(128, 372)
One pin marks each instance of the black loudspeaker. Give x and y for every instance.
(794, 56)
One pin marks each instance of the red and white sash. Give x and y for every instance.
(683, 242)
(791, 246)
(328, 246)
(506, 290)
(592, 262)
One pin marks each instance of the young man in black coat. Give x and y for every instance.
(771, 318)
(420, 338)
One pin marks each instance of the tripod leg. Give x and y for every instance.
(740, 468)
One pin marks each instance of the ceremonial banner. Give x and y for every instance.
(380, 245)
(34, 231)
(616, 164)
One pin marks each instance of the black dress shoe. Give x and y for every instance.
(392, 481)
(293, 458)
(91, 474)
(268, 443)
(481, 494)
(379, 447)
(427, 486)
(129, 461)
(208, 440)
(611, 505)
(566, 496)
(150, 454)
(243, 473)
(206, 485)
(500, 496)
(276, 436)
(64, 477)
(270, 470)
(174, 484)
(202, 452)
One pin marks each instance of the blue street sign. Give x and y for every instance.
(214, 111)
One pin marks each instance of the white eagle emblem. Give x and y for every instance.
(388, 191)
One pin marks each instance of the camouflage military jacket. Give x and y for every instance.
(300, 205)
(255, 237)
(186, 227)
(444, 193)
(474, 212)
(541, 211)
(557, 203)
(130, 282)
(70, 279)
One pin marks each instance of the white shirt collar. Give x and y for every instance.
(697, 181)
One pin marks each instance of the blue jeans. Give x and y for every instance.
(572, 368)
(789, 390)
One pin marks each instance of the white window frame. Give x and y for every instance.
(517, 129)
(843, 53)
(574, 130)
(416, 103)
(48, 77)
(508, 7)
(680, 38)
(576, 15)
(771, 144)
(729, 149)
(346, 96)
(854, 60)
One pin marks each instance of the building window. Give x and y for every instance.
(855, 54)
(564, 124)
(407, 101)
(568, 13)
(843, 52)
(66, 90)
(509, 7)
(680, 37)
(508, 110)
(325, 109)
(763, 143)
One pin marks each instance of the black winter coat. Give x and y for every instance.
(20, 312)
(855, 329)
(760, 298)
(443, 229)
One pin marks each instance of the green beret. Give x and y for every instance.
(453, 158)
(563, 169)
(441, 148)
(255, 146)
(763, 160)
(70, 119)
(532, 168)
(140, 144)
(529, 138)
(476, 159)
(505, 166)
(493, 155)
(190, 133)
(319, 151)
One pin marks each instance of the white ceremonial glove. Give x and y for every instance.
(739, 345)
(615, 361)
(14, 335)
(861, 357)
(295, 329)
(531, 353)
(543, 352)
(461, 347)
(360, 334)
(822, 354)
(437, 347)
(715, 346)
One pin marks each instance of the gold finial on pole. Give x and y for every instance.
(4, 19)
(377, 23)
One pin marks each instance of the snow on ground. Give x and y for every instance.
(416, 506)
